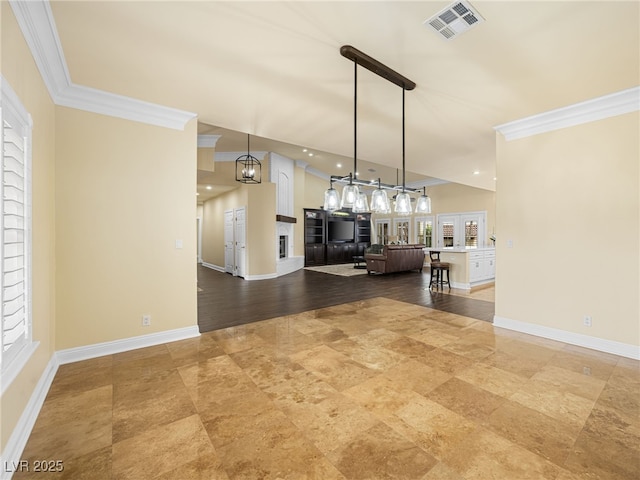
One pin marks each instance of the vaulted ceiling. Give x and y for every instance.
(273, 69)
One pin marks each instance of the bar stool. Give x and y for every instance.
(438, 270)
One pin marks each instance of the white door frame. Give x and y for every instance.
(229, 255)
(240, 241)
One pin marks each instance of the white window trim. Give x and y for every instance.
(11, 108)
(425, 219)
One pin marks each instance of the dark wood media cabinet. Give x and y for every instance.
(334, 237)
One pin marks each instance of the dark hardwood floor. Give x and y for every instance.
(225, 300)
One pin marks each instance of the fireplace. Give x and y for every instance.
(283, 246)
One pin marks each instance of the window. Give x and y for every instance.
(382, 231)
(462, 230)
(15, 221)
(471, 234)
(424, 231)
(401, 227)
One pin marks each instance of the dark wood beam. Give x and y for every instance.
(376, 67)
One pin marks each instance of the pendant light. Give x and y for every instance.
(352, 198)
(424, 202)
(403, 200)
(331, 199)
(361, 204)
(349, 194)
(248, 167)
(380, 200)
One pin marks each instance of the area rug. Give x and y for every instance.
(344, 270)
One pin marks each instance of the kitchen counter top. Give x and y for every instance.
(459, 249)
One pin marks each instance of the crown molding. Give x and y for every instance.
(208, 141)
(36, 21)
(599, 108)
(233, 156)
(39, 30)
(105, 103)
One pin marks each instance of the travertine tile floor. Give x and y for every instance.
(369, 390)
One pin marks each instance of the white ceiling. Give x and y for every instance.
(273, 69)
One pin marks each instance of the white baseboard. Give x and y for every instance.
(283, 268)
(288, 265)
(13, 449)
(217, 268)
(265, 276)
(117, 346)
(18, 440)
(594, 343)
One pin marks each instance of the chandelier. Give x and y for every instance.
(352, 197)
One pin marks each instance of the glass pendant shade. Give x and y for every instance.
(423, 205)
(403, 204)
(379, 201)
(349, 195)
(331, 200)
(361, 204)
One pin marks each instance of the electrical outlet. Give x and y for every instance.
(586, 371)
(146, 320)
(586, 321)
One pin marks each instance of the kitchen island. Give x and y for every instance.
(470, 267)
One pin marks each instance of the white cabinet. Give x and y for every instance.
(482, 266)
(476, 266)
(489, 264)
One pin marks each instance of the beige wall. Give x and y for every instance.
(314, 188)
(213, 224)
(124, 194)
(260, 203)
(20, 71)
(454, 198)
(261, 229)
(569, 202)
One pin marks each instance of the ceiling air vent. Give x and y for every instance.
(457, 18)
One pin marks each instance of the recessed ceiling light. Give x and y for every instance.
(209, 187)
(476, 172)
(310, 154)
(339, 165)
(304, 150)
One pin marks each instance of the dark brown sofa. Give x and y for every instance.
(395, 258)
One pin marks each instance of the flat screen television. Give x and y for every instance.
(341, 231)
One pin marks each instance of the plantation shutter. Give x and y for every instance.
(14, 222)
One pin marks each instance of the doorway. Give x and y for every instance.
(235, 242)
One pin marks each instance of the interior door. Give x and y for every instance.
(240, 234)
(228, 242)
